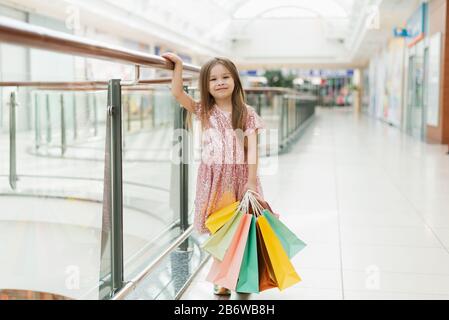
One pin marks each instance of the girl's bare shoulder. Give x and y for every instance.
(250, 109)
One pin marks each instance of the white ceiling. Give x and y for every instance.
(393, 13)
(256, 8)
(255, 33)
(217, 16)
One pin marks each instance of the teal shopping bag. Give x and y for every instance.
(249, 270)
(290, 242)
(218, 243)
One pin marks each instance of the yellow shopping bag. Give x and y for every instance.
(217, 219)
(284, 271)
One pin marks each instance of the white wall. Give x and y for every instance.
(50, 66)
(13, 67)
(287, 39)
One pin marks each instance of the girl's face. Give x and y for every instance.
(221, 83)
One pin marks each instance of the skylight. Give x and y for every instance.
(303, 8)
(289, 12)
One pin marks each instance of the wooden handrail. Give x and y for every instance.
(287, 92)
(23, 34)
(269, 89)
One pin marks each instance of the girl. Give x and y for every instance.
(229, 167)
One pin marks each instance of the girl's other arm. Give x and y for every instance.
(253, 160)
(177, 84)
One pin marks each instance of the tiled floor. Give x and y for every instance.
(371, 203)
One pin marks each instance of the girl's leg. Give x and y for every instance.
(218, 290)
(221, 291)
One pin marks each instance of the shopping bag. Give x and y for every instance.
(283, 269)
(249, 270)
(229, 268)
(290, 242)
(218, 243)
(267, 279)
(217, 219)
(214, 270)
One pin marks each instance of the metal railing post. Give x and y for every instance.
(153, 109)
(297, 106)
(63, 131)
(88, 109)
(37, 122)
(48, 118)
(95, 116)
(282, 124)
(183, 172)
(75, 124)
(259, 104)
(286, 125)
(128, 112)
(12, 141)
(141, 112)
(116, 196)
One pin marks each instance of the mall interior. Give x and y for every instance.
(354, 97)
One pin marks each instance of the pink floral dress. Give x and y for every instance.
(223, 172)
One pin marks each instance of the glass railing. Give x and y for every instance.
(56, 189)
(284, 111)
(51, 191)
(89, 192)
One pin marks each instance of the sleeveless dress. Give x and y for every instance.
(223, 171)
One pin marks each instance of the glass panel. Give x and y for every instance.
(51, 222)
(150, 183)
(291, 115)
(170, 278)
(151, 192)
(271, 111)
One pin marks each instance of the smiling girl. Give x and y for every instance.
(230, 127)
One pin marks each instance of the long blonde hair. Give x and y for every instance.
(239, 112)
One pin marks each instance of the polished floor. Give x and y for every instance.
(371, 203)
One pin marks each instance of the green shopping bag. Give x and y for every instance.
(218, 243)
(290, 242)
(249, 270)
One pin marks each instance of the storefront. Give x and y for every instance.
(437, 115)
(383, 84)
(427, 96)
(417, 61)
(404, 84)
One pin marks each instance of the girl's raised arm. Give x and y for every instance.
(177, 84)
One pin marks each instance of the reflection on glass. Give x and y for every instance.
(51, 221)
(150, 189)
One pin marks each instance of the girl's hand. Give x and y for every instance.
(172, 57)
(263, 203)
(250, 186)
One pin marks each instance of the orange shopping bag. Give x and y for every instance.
(266, 274)
(283, 270)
